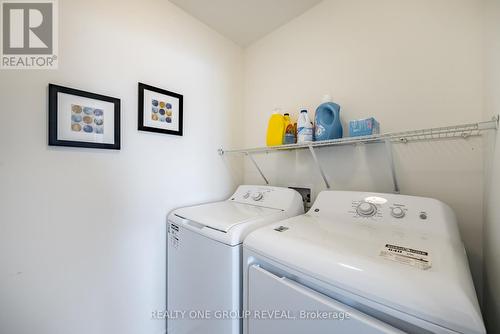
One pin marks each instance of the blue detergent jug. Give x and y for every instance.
(327, 120)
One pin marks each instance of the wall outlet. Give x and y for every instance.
(306, 196)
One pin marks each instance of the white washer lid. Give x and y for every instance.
(222, 216)
(348, 256)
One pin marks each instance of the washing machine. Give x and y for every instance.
(204, 268)
(360, 263)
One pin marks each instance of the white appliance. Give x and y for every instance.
(204, 273)
(393, 263)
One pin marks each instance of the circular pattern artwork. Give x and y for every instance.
(91, 121)
(161, 111)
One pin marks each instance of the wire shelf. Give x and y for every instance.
(448, 132)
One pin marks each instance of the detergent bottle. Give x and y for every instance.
(304, 127)
(327, 119)
(275, 129)
(286, 118)
(290, 135)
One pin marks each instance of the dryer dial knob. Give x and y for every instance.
(397, 212)
(257, 196)
(366, 209)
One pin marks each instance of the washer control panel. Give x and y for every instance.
(266, 196)
(257, 195)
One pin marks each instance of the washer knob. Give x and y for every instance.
(397, 212)
(257, 196)
(366, 209)
(246, 195)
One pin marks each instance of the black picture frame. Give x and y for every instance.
(141, 125)
(54, 90)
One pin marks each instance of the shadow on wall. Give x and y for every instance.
(492, 233)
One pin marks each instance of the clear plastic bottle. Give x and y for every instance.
(304, 127)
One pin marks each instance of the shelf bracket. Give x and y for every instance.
(318, 165)
(390, 158)
(257, 167)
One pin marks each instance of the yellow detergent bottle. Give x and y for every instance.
(275, 129)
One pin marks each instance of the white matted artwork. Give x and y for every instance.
(160, 110)
(82, 119)
(85, 119)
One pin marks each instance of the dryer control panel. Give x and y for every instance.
(374, 206)
(391, 210)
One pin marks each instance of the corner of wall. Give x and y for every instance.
(491, 272)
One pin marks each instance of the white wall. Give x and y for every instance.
(82, 231)
(411, 64)
(492, 180)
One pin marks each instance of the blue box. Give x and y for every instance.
(364, 127)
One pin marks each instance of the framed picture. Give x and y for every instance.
(83, 119)
(160, 110)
